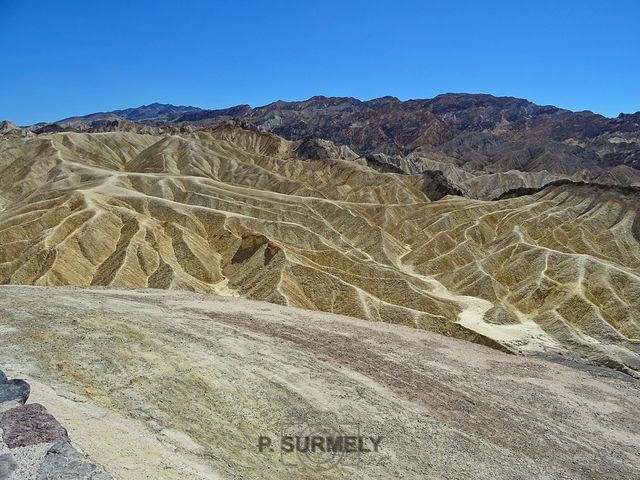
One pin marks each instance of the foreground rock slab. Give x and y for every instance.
(205, 377)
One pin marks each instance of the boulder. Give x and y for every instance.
(29, 425)
(3, 377)
(64, 461)
(14, 390)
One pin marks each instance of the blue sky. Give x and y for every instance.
(74, 57)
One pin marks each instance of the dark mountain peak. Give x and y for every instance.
(629, 117)
(470, 100)
(321, 99)
(154, 105)
(222, 114)
(318, 98)
(463, 95)
(154, 111)
(71, 119)
(319, 102)
(388, 99)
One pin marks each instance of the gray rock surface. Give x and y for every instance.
(28, 459)
(8, 465)
(29, 425)
(3, 377)
(14, 390)
(65, 462)
(5, 406)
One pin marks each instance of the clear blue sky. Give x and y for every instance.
(74, 57)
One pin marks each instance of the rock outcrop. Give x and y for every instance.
(33, 444)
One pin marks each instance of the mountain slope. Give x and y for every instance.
(240, 212)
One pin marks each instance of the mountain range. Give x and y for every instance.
(486, 132)
(489, 219)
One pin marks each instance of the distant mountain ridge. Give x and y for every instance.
(476, 132)
(157, 112)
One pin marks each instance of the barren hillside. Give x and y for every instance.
(243, 213)
(173, 385)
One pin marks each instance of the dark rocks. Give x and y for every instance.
(64, 461)
(8, 465)
(14, 390)
(384, 163)
(26, 425)
(436, 186)
(29, 425)
(317, 149)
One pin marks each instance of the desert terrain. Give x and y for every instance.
(168, 384)
(456, 277)
(235, 211)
